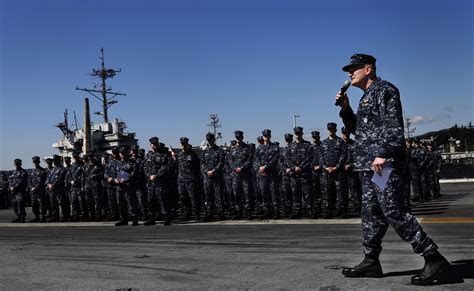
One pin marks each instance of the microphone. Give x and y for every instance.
(343, 90)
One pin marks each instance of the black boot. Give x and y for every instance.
(327, 214)
(435, 266)
(135, 221)
(36, 219)
(267, 215)
(297, 215)
(149, 222)
(16, 220)
(121, 222)
(343, 213)
(167, 220)
(370, 267)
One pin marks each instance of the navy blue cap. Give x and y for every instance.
(210, 136)
(184, 140)
(260, 139)
(266, 132)
(17, 162)
(36, 159)
(238, 133)
(315, 133)
(154, 140)
(288, 136)
(359, 60)
(298, 130)
(332, 126)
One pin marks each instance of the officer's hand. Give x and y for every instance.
(297, 170)
(210, 173)
(288, 170)
(378, 164)
(152, 177)
(261, 169)
(316, 168)
(109, 180)
(344, 100)
(237, 170)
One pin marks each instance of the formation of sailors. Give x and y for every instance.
(266, 181)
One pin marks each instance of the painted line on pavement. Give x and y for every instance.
(443, 220)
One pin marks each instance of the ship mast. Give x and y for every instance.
(106, 95)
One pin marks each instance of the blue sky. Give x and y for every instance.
(255, 63)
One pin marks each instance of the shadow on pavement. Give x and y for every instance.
(462, 269)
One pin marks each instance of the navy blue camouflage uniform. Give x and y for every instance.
(127, 191)
(79, 202)
(379, 132)
(213, 159)
(18, 183)
(157, 163)
(334, 155)
(318, 175)
(91, 183)
(267, 155)
(240, 156)
(352, 181)
(60, 205)
(110, 171)
(301, 183)
(37, 181)
(188, 182)
(285, 184)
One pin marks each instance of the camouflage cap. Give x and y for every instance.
(56, 158)
(260, 139)
(238, 133)
(210, 136)
(266, 132)
(359, 60)
(48, 160)
(288, 136)
(154, 140)
(17, 162)
(184, 140)
(315, 133)
(332, 126)
(36, 159)
(298, 130)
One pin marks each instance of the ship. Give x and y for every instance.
(100, 137)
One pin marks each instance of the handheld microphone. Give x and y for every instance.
(343, 90)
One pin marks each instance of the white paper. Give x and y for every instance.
(380, 179)
(121, 175)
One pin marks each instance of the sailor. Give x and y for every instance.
(126, 178)
(212, 164)
(351, 178)
(18, 183)
(60, 207)
(188, 181)
(109, 174)
(266, 166)
(157, 171)
(37, 180)
(301, 153)
(285, 172)
(240, 163)
(333, 159)
(379, 143)
(74, 177)
(317, 169)
(142, 191)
